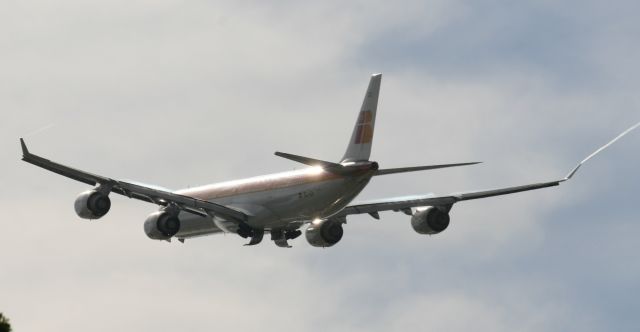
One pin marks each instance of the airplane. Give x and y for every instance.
(318, 197)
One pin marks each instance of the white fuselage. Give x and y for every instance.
(275, 201)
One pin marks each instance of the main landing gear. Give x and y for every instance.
(278, 236)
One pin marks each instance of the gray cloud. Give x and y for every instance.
(179, 94)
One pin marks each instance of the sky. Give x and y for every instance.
(184, 93)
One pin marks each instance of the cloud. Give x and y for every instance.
(180, 94)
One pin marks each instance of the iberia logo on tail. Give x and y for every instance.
(365, 129)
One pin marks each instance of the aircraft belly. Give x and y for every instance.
(279, 208)
(308, 202)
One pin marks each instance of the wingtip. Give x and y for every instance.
(575, 169)
(25, 151)
(572, 173)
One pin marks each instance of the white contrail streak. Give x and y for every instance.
(38, 131)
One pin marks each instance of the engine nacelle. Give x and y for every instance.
(92, 204)
(430, 221)
(324, 233)
(161, 225)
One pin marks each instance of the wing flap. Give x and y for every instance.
(160, 197)
(396, 204)
(505, 191)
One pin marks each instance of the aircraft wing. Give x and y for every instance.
(134, 190)
(405, 204)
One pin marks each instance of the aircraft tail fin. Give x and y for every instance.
(359, 148)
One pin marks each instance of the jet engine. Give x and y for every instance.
(92, 204)
(324, 233)
(431, 220)
(161, 225)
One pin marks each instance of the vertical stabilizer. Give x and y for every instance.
(359, 148)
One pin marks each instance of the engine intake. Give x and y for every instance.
(324, 233)
(92, 204)
(161, 225)
(430, 221)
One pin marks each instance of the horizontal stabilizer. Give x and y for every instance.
(327, 165)
(419, 168)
